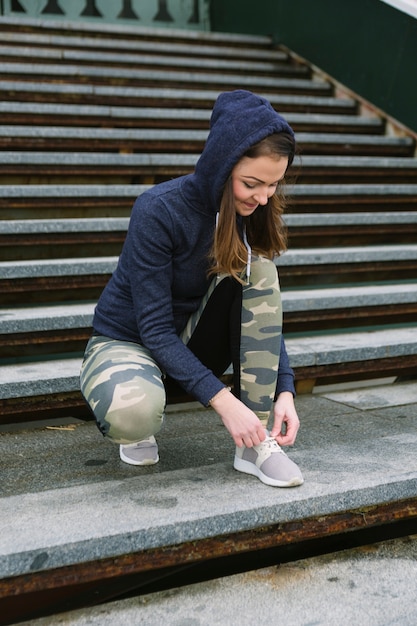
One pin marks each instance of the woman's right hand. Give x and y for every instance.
(242, 423)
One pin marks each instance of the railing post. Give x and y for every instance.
(91, 9)
(53, 8)
(127, 11)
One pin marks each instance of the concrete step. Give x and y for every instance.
(42, 280)
(91, 237)
(166, 117)
(176, 78)
(29, 332)
(154, 96)
(278, 63)
(207, 46)
(121, 33)
(218, 599)
(107, 519)
(313, 358)
(91, 139)
(115, 169)
(23, 202)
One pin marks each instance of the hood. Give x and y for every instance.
(239, 120)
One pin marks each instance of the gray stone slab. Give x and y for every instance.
(41, 318)
(106, 224)
(103, 159)
(74, 191)
(70, 225)
(55, 376)
(37, 319)
(167, 93)
(293, 257)
(96, 158)
(138, 45)
(353, 346)
(357, 296)
(39, 377)
(354, 189)
(146, 113)
(375, 398)
(256, 83)
(348, 254)
(49, 54)
(57, 267)
(370, 585)
(102, 28)
(174, 135)
(107, 509)
(351, 219)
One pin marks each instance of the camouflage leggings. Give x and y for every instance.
(124, 387)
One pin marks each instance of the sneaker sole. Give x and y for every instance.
(129, 461)
(249, 468)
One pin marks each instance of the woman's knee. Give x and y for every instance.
(123, 387)
(134, 412)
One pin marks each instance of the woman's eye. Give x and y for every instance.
(249, 186)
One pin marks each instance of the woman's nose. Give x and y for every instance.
(261, 196)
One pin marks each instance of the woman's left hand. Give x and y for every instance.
(285, 414)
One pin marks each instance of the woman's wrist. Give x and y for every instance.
(217, 395)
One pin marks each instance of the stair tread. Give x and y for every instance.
(99, 190)
(188, 135)
(72, 315)
(62, 375)
(86, 265)
(180, 500)
(112, 224)
(165, 93)
(180, 113)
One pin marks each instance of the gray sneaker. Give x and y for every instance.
(143, 452)
(269, 463)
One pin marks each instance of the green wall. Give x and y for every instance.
(367, 45)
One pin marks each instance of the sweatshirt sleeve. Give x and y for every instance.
(286, 376)
(151, 249)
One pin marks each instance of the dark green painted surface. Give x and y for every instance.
(365, 44)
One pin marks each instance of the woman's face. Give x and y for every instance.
(255, 180)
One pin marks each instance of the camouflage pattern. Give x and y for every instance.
(260, 337)
(124, 387)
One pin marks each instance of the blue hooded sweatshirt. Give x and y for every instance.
(161, 275)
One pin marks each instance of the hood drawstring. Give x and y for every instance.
(249, 249)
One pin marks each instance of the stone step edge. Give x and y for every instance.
(62, 375)
(44, 318)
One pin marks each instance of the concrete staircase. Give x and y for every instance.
(89, 118)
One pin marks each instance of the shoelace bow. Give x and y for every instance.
(272, 444)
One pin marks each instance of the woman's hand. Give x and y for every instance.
(242, 423)
(285, 414)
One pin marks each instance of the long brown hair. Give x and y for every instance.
(265, 228)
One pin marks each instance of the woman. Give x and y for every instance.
(195, 290)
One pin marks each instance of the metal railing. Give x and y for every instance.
(166, 13)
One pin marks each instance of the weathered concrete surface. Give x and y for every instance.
(67, 498)
(369, 586)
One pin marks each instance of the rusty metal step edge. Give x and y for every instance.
(244, 542)
(116, 531)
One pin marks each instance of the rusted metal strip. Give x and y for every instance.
(267, 537)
